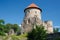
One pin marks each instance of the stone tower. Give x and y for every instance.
(32, 11)
(32, 17)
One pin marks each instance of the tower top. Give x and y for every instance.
(32, 6)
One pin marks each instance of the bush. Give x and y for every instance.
(37, 34)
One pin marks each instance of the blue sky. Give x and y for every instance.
(12, 11)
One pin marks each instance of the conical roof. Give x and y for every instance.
(32, 5)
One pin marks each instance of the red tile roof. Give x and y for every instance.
(32, 5)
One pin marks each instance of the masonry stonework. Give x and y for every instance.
(32, 17)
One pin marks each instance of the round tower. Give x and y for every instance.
(32, 18)
(32, 11)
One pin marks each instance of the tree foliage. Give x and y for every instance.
(56, 30)
(2, 21)
(5, 28)
(57, 38)
(37, 34)
(2, 27)
(15, 27)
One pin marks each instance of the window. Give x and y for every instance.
(28, 11)
(35, 11)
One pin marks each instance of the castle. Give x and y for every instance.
(33, 17)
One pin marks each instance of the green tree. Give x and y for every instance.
(37, 34)
(5, 28)
(15, 27)
(56, 30)
(2, 27)
(57, 38)
(8, 27)
(2, 22)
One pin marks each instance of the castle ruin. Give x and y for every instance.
(32, 17)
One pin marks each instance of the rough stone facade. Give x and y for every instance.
(32, 17)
